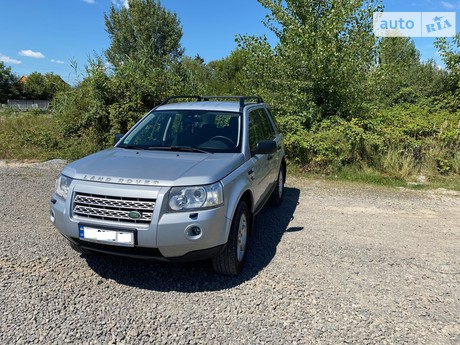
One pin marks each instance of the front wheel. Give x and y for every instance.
(277, 195)
(230, 261)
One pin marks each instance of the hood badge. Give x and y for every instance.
(121, 180)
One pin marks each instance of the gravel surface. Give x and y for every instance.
(336, 263)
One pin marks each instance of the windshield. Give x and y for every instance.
(190, 130)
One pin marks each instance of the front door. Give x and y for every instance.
(262, 175)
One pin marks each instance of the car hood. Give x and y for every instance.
(159, 168)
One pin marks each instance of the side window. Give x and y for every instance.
(269, 132)
(254, 130)
(260, 128)
(273, 123)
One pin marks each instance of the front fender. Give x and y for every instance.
(235, 186)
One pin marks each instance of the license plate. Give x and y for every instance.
(114, 237)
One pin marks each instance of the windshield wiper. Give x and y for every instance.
(164, 148)
(178, 148)
(188, 149)
(134, 147)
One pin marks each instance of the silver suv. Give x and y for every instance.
(183, 184)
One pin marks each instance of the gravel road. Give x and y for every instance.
(336, 263)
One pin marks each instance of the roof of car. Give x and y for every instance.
(205, 105)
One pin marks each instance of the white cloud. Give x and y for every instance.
(32, 54)
(121, 3)
(448, 5)
(7, 59)
(57, 61)
(90, 1)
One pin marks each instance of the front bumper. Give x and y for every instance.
(169, 236)
(146, 253)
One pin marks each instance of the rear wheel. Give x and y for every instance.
(230, 261)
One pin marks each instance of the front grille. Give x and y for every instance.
(112, 208)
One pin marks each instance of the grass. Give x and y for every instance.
(37, 136)
(29, 135)
(370, 176)
(447, 182)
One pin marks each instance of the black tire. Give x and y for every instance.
(79, 249)
(231, 259)
(277, 195)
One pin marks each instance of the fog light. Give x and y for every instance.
(193, 232)
(52, 218)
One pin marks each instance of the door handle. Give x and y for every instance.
(251, 174)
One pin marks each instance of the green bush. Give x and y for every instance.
(399, 141)
(29, 135)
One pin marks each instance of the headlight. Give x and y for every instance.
(186, 198)
(62, 186)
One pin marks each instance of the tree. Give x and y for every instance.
(143, 57)
(318, 72)
(8, 82)
(393, 77)
(144, 32)
(84, 109)
(401, 77)
(144, 52)
(431, 80)
(43, 86)
(34, 87)
(193, 75)
(228, 74)
(320, 66)
(55, 84)
(450, 54)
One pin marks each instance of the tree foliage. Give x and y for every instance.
(192, 76)
(8, 83)
(42, 86)
(326, 48)
(227, 75)
(320, 67)
(450, 53)
(144, 56)
(145, 32)
(400, 76)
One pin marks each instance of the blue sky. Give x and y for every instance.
(47, 35)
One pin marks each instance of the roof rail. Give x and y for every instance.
(167, 100)
(241, 99)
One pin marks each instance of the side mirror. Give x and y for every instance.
(265, 147)
(118, 137)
